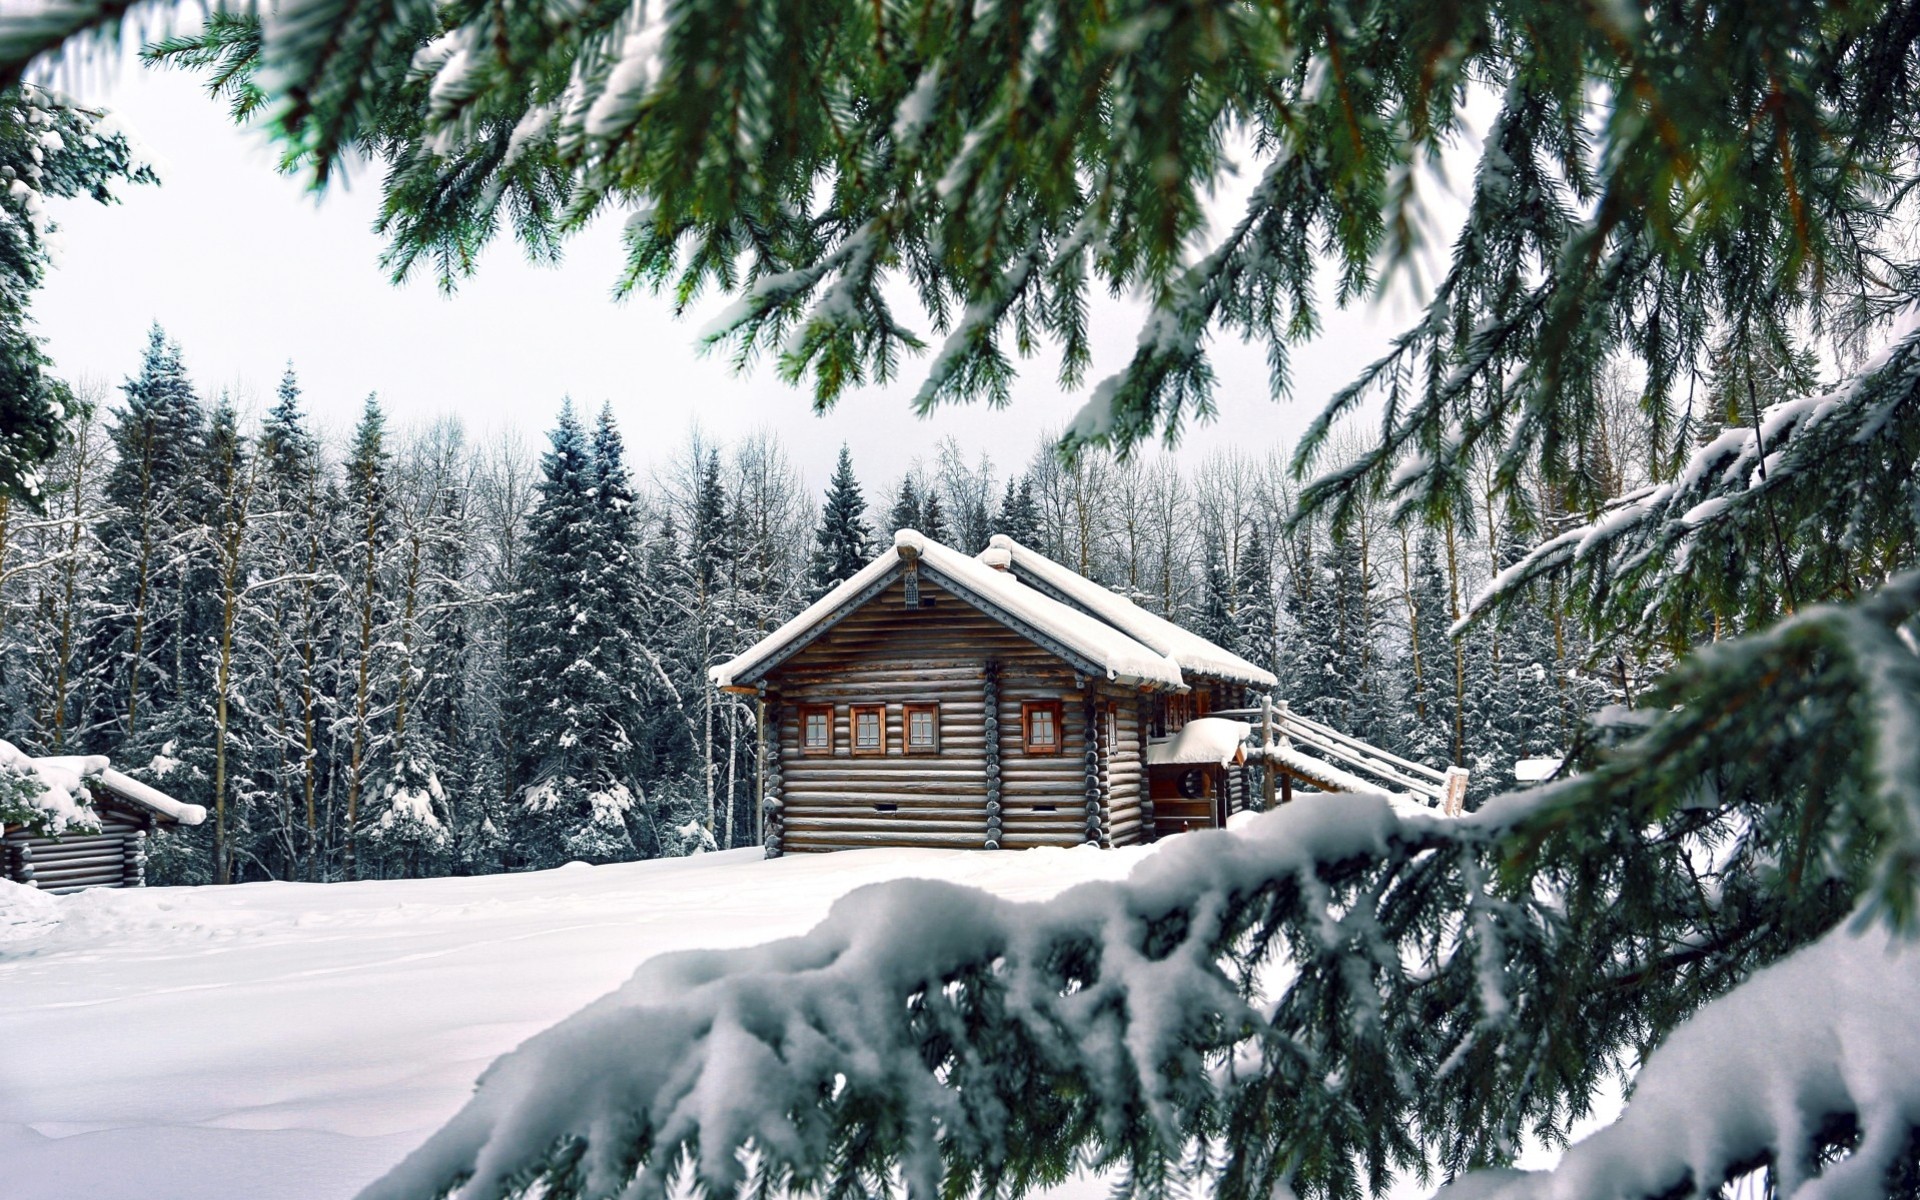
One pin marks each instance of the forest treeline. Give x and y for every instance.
(410, 654)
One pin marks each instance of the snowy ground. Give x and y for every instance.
(287, 1040)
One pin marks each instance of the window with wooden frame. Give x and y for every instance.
(816, 729)
(1179, 711)
(922, 724)
(869, 728)
(1041, 731)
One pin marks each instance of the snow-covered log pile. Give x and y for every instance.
(1280, 1008)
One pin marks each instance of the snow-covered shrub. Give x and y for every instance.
(580, 821)
(411, 824)
(48, 796)
(679, 812)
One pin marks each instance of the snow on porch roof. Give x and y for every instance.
(1189, 649)
(1112, 652)
(1215, 740)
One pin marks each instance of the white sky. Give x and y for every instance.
(247, 270)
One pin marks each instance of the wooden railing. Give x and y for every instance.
(1294, 745)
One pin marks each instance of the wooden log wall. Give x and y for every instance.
(1128, 821)
(1045, 795)
(113, 857)
(979, 672)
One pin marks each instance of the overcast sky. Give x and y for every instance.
(247, 270)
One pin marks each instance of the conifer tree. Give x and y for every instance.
(576, 742)
(1256, 623)
(409, 813)
(1425, 717)
(233, 472)
(906, 512)
(1019, 516)
(151, 493)
(843, 543)
(297, 550)
(369, 513)
(1216, 618)
(50, 148)
(933, 518)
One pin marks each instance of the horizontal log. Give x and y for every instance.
(50, 882)
(894, 801)
(974, 775)
(91, 842)
(76, 861)
(907, 834)
(952, 668)
(1022, 840)
(60, 874)
(856, 840)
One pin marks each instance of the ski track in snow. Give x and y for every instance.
(283, 1041)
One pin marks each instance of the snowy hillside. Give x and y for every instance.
(279, 1040)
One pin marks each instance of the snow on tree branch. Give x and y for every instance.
(47, 797)
(967, 1041)
(1839, 1062)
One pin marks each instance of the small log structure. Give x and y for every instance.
(115, 855)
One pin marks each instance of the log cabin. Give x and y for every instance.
(115, 855)
(993, 702)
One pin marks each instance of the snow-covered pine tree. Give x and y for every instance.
(1424, 719)
(156, 439)
(933, 517)
(1019, 515)
(1331, 670)
(50, 149)
(576, 799)
(233, 473)
(408, 810)
(705, 599)
(365, 594)
(907, 509)
(1217, 618)
(297, 562)
(1257, 621)
(844, 542)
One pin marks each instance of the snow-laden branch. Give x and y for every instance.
(933, 1029)
(1824, 1040)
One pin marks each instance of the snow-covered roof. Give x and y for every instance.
(1111, 651)
(125, 787)
(128, 788)
(1189, 649)
(1215, 740)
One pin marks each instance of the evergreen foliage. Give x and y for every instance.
(50, 149)
(575, 737)
(843, 543)
(907, 512)
(1019, 516)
